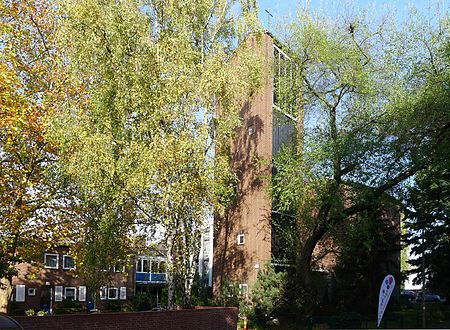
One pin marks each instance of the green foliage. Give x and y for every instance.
(428, 200)
(368, 253)
(30, 312)
(138, 141)
(143, 301)
(228, 295)
(268, 293)
(373, 112)
(202, 293)
(285, 238)
(69, 306)
(113, 306)
(428, 219)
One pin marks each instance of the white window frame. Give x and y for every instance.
(116, 296)
(243, 289)
(123, 293)
(240, 239)
(120, 269)
(31, 291)
(82, 293)
(58, 293)
(70, 288)
(64, 259)
(149, 265)
(53, 255)
(229, 293)
(103, 293)
(139, 265)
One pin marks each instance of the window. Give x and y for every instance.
(162, 267)
(70, 293)
(139, 265)
(240, 239)
(58, 293)
(113, 293)
(123, 293)
(145, 266)
(243, 289)
(31, 291)
(82, 293)
(20, 293)
(230, 291)
(51, 260)
(155, 266)
(68, 262)
(103, 291)
(118, 268)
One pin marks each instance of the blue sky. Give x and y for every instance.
(286, 9)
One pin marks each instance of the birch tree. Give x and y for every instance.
(140, 144)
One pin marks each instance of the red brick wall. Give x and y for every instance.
(202, 318)
(250, 214)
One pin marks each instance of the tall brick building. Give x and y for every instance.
(244, 240)
(243, 237)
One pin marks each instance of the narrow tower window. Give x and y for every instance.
(240, 239)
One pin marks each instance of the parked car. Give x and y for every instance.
(408, 295)
(429, 296)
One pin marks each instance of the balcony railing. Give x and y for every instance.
(150, 277)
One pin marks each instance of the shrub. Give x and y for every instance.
(69, 307)
(268, 293)
(229, 295)
(143, 301)
(29, 312)
(113, 306)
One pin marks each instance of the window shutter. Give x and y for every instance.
(123, 293)
(20, 293)
(58, 293)
(82, 293)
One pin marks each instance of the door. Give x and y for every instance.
(46, 298)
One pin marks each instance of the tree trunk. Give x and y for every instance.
(304, 271)
(189, 281)
(5, 294)
(170, 277)
(170, 290)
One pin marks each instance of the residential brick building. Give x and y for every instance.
(49, 285)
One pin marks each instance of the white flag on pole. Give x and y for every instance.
(387, 286)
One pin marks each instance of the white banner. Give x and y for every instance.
(386, 289)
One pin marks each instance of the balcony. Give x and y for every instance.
(150, 277)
